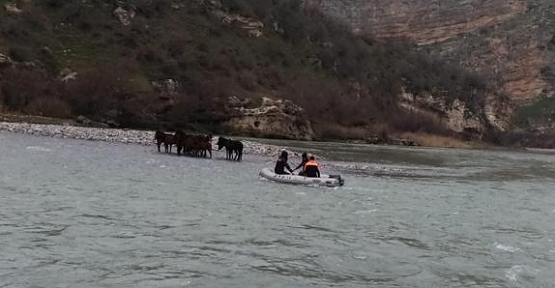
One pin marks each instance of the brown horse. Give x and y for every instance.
(194, 145)
(168, 140)
(205, 147)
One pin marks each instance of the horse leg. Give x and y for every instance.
(158, 143)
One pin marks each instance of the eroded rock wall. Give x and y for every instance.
(272, 118)
(511, 42)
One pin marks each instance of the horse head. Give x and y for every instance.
(159, 135)
(222, 142)
(179, 135)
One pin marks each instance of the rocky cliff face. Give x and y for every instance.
(272, 118)
(456, 116)
(510, 42)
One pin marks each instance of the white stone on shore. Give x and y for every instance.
(127, 136)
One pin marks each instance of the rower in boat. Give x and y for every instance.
(281, 164)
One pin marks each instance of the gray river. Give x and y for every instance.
(94, 214)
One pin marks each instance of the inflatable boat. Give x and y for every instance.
(323, 180)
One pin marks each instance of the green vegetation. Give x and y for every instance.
(337, 77)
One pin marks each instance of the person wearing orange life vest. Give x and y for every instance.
(310, 168)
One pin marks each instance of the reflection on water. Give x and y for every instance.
(89, 214)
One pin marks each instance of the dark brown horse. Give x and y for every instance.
(193, 145)
(168, 140)
(231, 147)
(205, 147)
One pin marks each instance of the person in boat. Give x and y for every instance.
(311, 168)
(281, 164)
(301, 166)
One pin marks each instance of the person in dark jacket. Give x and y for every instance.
(311, 168)
(301, 166)
(281, 164)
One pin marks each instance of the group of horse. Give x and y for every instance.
(198, 145)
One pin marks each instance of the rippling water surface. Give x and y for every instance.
(94, 214)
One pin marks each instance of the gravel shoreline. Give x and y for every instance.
(127, 136)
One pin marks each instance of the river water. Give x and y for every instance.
(94, 214)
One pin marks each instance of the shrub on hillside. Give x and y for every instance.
(97, 92)
(152, 8)
(20, 85)
(49, 107)
(20, 53)
(411, 122)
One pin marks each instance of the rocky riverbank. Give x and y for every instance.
(127, 136)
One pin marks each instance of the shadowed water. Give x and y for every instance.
(93, 214)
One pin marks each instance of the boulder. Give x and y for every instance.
(83, 120)
(167, 85)
(278, 28)
(273, 118)
(67, 75)
(5, 60)
(253, 27)
(255, 33)
(11, 8)
(112, 124)
(124, 16)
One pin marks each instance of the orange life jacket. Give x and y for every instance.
(310, 163)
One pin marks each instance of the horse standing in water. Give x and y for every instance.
(231, 146)
(167, 139)
(193, 145)
(205, 147)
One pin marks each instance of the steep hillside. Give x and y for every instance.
(259, 67)
(510, 43)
